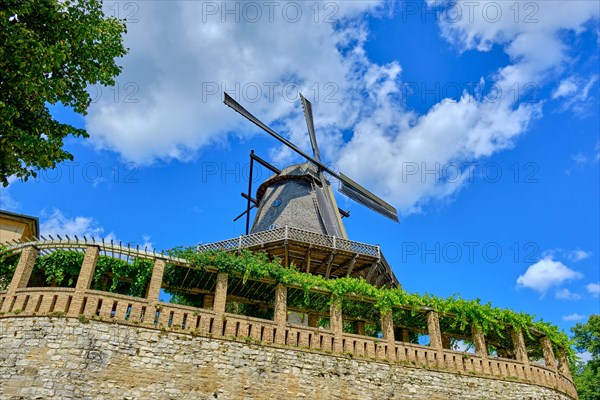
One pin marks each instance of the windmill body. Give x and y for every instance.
(299, 198)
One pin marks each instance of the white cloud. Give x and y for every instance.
(593, 289)
(585, 356)
(181, 55)
(57, 223)
(147, 242)
(566, 88)
(578, 255)
(566, 294)
(545, 274)
(575, 92)
(7, 201)
(574, 317)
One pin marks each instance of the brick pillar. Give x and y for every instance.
(313, 320)
(336, 325)
(23, 270)
(387, 329)
(156, 280)
(479, 342)
(220, 302)
(20, 278)
(433, 327)
(548, 352)
(208, 301)
(481, 348)
(360, 327)
(520, 349)
(563, 364)
(84, 279)
(280, 312)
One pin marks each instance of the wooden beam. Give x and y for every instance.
(307, 258)
(371, 272)
(329, 263)
(351, 264)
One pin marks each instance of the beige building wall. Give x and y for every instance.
(17, 227)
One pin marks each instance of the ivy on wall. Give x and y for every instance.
(489, 319)
(117, 275)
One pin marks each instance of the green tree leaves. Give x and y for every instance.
(50, 51)
(587, 375)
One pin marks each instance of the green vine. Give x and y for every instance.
(464, 313)
(116, 275)
(119, 276)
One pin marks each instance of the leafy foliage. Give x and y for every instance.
(59, 268)
(491, 320)
(8, 264)
(119, 276)
(587, 375)
(50, 51)
(360, 299)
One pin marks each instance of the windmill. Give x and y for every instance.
(300, 195)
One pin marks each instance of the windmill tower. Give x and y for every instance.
(300, 195)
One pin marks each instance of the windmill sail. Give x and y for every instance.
(311, 127)
(366, 198)
(348, 186)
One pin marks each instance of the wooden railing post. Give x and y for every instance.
(405, 335)
(336, 325)
(208, 301)
(360, 327)
(84, 279)
(313, 320)
(549, 357)
(21, 276)
(433, 327)
(280, 315)
(446, 342)
(519, 344)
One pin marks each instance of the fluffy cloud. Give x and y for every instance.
(578, 255)
(7, 201)
(184, 54)
(574, 317)
(545, 274)
(575, 92)
(593, 289)
(58, 223)
(566, 294)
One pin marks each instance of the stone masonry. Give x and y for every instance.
(64, 358)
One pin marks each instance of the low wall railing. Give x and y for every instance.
(213, 321)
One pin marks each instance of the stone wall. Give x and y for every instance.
(64, 358)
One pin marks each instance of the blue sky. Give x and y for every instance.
(510, 212)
